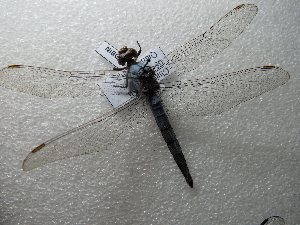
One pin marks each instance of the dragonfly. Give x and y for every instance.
(179, 97)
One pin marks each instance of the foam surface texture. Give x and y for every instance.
(245, 162)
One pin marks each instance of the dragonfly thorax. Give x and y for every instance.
(139, 77)
(143, 78)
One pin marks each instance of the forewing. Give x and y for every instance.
(94, 136)
(218, 94)
(202, 48)
(50, 83)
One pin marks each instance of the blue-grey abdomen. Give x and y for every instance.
(168, 134)
(163, 122)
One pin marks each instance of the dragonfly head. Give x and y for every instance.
(127, 55)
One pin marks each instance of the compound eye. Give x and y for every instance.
(123, 50)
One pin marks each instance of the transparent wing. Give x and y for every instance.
(218, 94)
(202, 48)
(50, 83)
(94, 136)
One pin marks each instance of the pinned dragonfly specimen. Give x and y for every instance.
(147, 90)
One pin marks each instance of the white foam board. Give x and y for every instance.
(245, 162)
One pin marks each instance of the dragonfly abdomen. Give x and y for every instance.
(169, 136)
